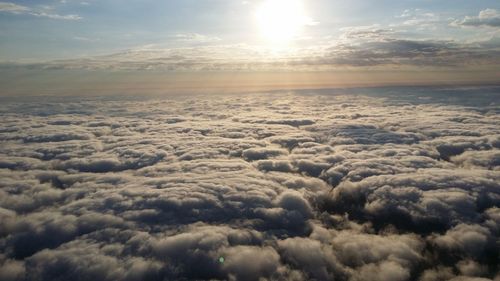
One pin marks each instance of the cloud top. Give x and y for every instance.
(360, 184)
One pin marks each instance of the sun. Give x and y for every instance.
(280, 21)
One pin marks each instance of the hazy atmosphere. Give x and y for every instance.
(250, 140)
(346, 43)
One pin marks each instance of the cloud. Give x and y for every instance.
(420, 19)
(12, 8)
(469, 239)
(262, 153)
(16, 9)
(312, 257)
(357, 48)
(56, 16)
(349, 184)
(485, 18)
(265, 262)
(196, 38)
(366, 32)
(482, 159)
(81, 260)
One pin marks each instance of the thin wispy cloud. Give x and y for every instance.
(196, 38)
(12, 8)
(356, 48)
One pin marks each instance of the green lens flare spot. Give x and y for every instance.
(222, 259)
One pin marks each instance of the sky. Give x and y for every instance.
(354, 42)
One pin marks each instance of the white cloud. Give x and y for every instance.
(85, 39)
(485, 18)
(56, 16)
(419, 19)
(196, 38)
(18, 9)
(12, 8)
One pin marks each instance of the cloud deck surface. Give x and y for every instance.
(378, 184)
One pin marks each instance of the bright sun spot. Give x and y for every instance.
(280, 21)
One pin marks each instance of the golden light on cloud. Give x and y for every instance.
(280, 21)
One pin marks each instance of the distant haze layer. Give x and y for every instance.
(94, 82)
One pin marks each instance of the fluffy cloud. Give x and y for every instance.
(352, 184)
(487, 17)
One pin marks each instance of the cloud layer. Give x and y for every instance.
(368, 47)
(361, 184)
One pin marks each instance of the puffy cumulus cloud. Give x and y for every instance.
(471, 268)
(472, 240)
(486, 17)
(383, 271)
(360, 184)
(261, 153)
(489, 160)
(246, 262)
(11, 269)
(435, 199)
(315, 259)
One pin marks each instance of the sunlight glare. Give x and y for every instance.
(280, 21)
